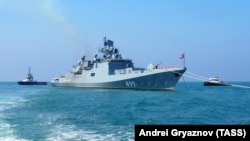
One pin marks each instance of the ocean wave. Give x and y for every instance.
(71, 132)
(6, 129)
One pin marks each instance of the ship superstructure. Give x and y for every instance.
(113, 72)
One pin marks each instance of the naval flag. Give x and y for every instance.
(182, 56)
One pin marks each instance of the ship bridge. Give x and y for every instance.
(112, 55)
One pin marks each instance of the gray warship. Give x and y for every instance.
(111, 71)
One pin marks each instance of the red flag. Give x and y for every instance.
(182, 56)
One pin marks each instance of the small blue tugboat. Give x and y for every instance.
(28, 80)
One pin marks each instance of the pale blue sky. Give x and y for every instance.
(48, 35)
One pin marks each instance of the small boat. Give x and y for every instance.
(28, 80)
(214, 81)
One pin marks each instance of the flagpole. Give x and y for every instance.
(182, 56)
(184, 59)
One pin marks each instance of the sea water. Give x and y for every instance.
(54, 113)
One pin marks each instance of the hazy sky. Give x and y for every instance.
(50, 35)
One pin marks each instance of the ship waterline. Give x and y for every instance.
(114, 72)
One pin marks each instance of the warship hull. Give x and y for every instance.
(158, 79)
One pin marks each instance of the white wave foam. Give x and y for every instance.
(59, 132)
(12, 139)
(70, 132)
(11, 102)
(6, 129)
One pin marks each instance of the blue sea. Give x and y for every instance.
(51, 113)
